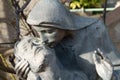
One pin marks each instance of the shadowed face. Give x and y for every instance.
(50, 36)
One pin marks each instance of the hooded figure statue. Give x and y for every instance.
(77, 52)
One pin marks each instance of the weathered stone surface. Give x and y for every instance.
(43, 62)
(7, 25)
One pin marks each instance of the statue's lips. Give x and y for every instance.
(51, 44)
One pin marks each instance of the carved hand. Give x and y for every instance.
(22, 69)
(103, 66)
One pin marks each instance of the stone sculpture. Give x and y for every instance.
(74, 39)
(43, 64)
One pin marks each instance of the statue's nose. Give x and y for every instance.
(44, 40)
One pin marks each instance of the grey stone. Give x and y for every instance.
(73, 50)
(43, 62)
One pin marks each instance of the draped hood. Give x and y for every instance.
(53, 13)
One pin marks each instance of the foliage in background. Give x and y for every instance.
(77, 4)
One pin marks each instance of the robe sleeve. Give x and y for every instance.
(106, 45)
(109, 49)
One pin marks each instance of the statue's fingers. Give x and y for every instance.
(100, 53)
(22, 71)
(96, 58)
(18, 70)
(26, 72)
(18, 65)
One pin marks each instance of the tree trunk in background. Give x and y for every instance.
(8, 33)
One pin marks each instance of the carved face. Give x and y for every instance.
(50, 36)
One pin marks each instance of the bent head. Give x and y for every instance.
(52, 22)
(50, 36)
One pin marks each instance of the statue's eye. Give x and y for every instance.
(43, 31)
(51, 31)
